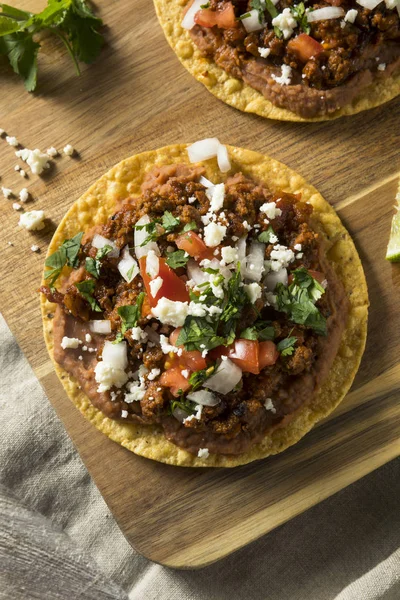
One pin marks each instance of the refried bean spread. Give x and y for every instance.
(311, 58)
(211, 311)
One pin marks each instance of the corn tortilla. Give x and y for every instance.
(238, 94)
(123, 180)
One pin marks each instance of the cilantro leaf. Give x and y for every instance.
(130, 313)
(184, 404)
(93, 265)
(286, 346)
(67, 254)
(250, 333)
(86, 289)
(198, 334)
(192, 226)
(151, 229)
(261, 330)
(169, 222)
(21, 51)
(198, 377)
(177, 259)
(299, 14)
(265, 236)
(15, 13)
(271, 8)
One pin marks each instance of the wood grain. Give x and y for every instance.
(138, 97)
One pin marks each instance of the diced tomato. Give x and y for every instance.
(244, 353)
(192, 360)
(305, 47)
(172, 287)
(267, 354)
(191, 243)
(174, 380)
(225, 18)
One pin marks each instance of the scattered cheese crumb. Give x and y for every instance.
(203, 453)
(285, 22)
(124, 414)
(253, 290)
(170, 312)
(214, 234)
(36, 160)
(351, 15)
(269, 405)
(16, 206)
(22, 173)
(192, 199)
(271, 210)
(382, 67)
(68, 150)
(297, 247)
(155, 286)
(68, 342)
(285, 77)
(33, 220)
(88, 338)
(17, 168)
(264, 52)
(12, 141)
(52, 151)
(229, 254)
(6, 192)
(24, 195)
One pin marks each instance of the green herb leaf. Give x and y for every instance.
(177, 259)
(86, 289)
(72, 247)
(184, 404)
(299, 13)
(250, 333)
(261, 330)
(93, 265)
(265, 236)
(192, 226)
(15, 13)
(67, 254)
(205, 5)
(169, 222)
(271, 8)
(198, 334)
(151, 229)
(22, 51)
(198, 377)
(130, 313)
(286, 346)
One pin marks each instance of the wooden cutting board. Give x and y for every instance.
(137, 97)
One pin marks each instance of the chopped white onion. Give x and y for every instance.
(204, 398)
(206, 182)
(203, 149)
(128, 266)
(224, 163)
(102, 327)
(139, 237)
(180, 414)
(273, 278)
(252, 23)
(188, 20)
(224, 271)
(225, 378)
(115, 355)
(194, 272)
(326, 13)
(255, 262)
(152, 335)
(370, 4)
(241, 250)
(100, 241)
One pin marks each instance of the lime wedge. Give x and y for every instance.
(393, 249)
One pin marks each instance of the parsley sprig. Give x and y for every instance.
(298, 301)
(67, 254)
(70, 20)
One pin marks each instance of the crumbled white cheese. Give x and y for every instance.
(203, 453)
(22, 173)
(271, 210)
(68, 342)
(6, 192)
(351, 15)
(12, 141)
(382, 67)
(285, 76)
(253, 290)
(166, 347)
(283, 255)
(88, 338)
(269, 405)
(138, 334)
(33, 220)
(52, 151)
(24, 195)
(199, 409)
(185, 373)
(108, 377)
(285, 22)
(216, 195)
(153, 374)
(16, 206)
(124, 414)
(214, 234)
(192, 199)
(36, 160)
(17, 168)
(170, 312)
(136, 391)
(155, 286)
(35, 248)
(297, 247)
(264, 52)
(152, 264)
(68, 150)
(247, 225)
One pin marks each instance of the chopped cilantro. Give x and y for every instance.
(169, 222)
(271, 8)
(207, 5)
(298, 301)
(70, 20)
(192, 226)
(86, 289)
(278, 32)
(250, 333)
(286, 346)
(299, 13)
(245, 16)
(177, 259)
(184, 404)
(67, 254)
(93, 265)
(198, 334)
(265, 236)
(261, 330)
(151, 229)
(130, 313)
(198, 377)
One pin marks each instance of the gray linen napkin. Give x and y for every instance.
(59, 541)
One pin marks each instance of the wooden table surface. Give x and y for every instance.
(137, 97)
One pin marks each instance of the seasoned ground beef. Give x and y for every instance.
(267, 393)
(331, 61)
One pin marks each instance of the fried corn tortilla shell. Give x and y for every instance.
(238, 94)
(124, 180)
